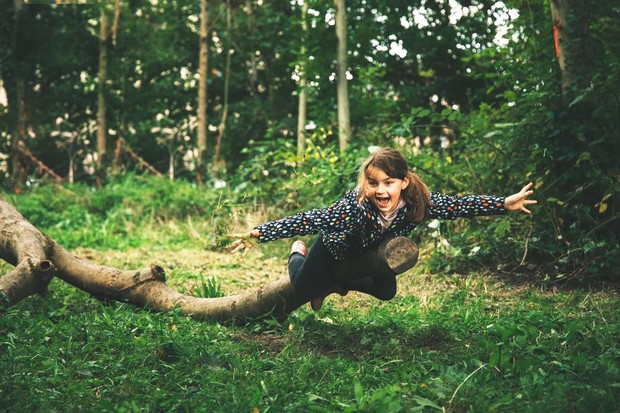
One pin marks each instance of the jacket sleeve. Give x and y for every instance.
(453, 206)
(338, 217)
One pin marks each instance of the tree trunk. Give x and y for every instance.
(37, 257)
(344, 124)
(171, 159)
(18, 161)
(23, 246)
(303, 96)
(15, 89)
(203, 68)
(101, 108)
(222, 126)
(570, 30)
(71, 168)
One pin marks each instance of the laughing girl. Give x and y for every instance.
(390, 200)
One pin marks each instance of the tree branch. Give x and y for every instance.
(30, 276)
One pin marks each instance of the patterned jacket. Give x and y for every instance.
(347, 227)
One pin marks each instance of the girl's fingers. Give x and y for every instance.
(247, 249)
(234, 244)
(240, 246)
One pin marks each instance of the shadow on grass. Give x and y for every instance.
(354, 340)
(371, 341)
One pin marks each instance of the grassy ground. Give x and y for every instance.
(447, 343)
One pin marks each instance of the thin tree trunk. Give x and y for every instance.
(171, 163)
(18, 161)
(344, 124)
(101, 102)
(71, 169)
(117, 15)
(15, 87)
(36, 257)
(303, 96)
(123, 117)
(203, 68)
(222, 126)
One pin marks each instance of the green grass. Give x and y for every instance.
(453, 343)
(475, 345)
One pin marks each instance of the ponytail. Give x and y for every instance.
(417, 196)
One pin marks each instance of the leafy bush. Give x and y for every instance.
(276, 175)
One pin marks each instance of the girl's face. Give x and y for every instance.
(384, 191)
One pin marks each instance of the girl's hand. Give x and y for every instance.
(242, 242)
(519, 200)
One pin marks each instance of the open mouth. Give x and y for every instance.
(382, 201)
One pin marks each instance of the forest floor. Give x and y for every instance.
(447, 342)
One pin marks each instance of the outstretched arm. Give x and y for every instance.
(342, 216)
(518, 201)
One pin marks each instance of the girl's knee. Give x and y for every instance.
(386, 293)
(385, 288)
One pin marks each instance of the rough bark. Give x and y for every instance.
(31, 276)
(23, 246)
(203, 67)
(37, 257)
(571, 28)
(15, 87)
(101, 101)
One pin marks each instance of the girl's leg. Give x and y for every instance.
(296, 258)
(383, 288)
(311, 276)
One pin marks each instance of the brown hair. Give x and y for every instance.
(416, 195)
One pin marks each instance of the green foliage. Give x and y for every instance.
(527, 133)
(277, 175)
(569, 151)
(380, 400)
(208, 288)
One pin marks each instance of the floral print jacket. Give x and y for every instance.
(348, 227)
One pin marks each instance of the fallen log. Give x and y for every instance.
(37, 258)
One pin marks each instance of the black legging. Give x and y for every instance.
(312, 276)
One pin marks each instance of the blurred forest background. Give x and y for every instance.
(275, 103)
